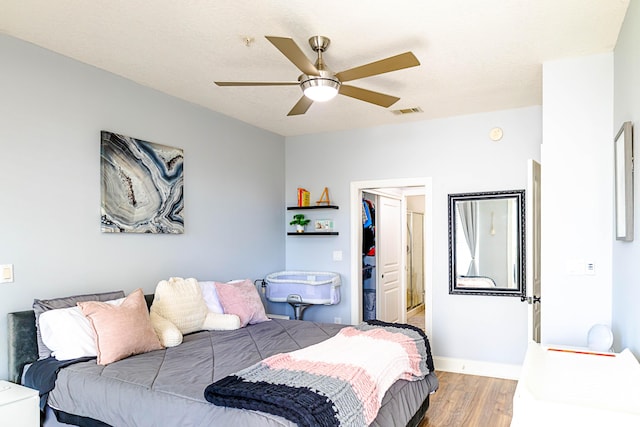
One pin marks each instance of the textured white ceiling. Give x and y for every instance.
(476, 55)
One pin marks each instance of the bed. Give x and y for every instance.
(475, 282)
(165, 387)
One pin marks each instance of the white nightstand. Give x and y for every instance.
(18, 405)
(570, 386)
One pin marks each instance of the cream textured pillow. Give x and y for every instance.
(169, 334)
(180, 302)
(121, 331)
(221, 322)
(242, 299)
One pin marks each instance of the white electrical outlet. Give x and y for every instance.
(337, 320)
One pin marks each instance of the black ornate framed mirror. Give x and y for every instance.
(487, 243)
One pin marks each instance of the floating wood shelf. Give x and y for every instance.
(295, 208)
(313, 233)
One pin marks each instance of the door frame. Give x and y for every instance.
(534, 288)
(409, 186)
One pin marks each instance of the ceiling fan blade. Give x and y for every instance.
(292, 51)
(368, 95)
(301, 106)
(257, 83)
(393, 63)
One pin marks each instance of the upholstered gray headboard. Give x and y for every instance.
(23, 344)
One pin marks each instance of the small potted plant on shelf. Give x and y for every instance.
(300, 222)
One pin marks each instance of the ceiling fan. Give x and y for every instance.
(319, 83)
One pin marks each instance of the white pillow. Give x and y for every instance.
(68, 333)
(210, 296)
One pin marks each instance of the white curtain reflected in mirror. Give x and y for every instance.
(486, 243)
(468, 220)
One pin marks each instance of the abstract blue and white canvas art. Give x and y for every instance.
(142, 186)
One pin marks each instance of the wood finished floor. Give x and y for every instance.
(467, 400)
(470, 401)
(416, 318)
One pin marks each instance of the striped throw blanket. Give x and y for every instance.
(340, 381)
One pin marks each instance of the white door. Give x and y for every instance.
(389, 259)
(533, 250)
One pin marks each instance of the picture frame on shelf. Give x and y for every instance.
(623, 177)
(323, 225)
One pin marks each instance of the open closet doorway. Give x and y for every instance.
(414, 256)
(414, 282)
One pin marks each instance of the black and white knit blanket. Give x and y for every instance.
(340, 381)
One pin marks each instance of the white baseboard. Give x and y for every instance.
(475, 367)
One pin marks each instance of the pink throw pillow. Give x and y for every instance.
(242, 299)
(121, 331)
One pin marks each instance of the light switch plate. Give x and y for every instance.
(6, 273)
(576, 267)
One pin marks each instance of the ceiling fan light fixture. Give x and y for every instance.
(320, 89)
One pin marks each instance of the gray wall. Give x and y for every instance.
(458, 154)
(51, 112)
(577, 197)
(626, 255)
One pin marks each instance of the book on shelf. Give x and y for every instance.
(304, 197)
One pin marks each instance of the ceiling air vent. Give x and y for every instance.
(407, 111)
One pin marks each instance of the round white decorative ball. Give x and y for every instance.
(600, 338)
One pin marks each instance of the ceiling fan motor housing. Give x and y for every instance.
(319, 43)
(325, 85)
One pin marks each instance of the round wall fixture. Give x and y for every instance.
(495, 134)
(600, 338)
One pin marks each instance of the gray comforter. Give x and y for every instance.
(166, 387)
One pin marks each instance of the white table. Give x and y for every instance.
(18, 405)
(562, 386)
